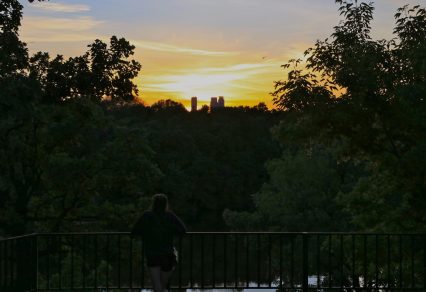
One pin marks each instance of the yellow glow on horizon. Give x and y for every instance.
(178, 68)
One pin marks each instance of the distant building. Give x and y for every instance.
(221, 102)
(213, 103)
(194, 104)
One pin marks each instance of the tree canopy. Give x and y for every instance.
(344, 150)
(363, 101)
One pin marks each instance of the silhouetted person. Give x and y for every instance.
(157, 227)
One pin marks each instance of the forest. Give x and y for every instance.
(343, 150)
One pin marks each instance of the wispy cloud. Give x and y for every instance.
(62, 7)
(162, 47)
(205, 82)
(41, 24)
(49, 29)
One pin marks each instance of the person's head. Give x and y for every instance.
(159, 203)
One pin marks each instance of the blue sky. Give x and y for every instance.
(197, 47)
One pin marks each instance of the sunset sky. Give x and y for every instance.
(202, 48)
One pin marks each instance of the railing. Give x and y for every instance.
(218, 260)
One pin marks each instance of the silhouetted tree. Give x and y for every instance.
(363, 100)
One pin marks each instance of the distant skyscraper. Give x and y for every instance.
(213, 103)
(194, 104)
(221, 102)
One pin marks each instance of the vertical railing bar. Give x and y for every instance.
(424, 261)
(59, 245)
(2, 264)
(353, 261)
(270, 260)
(6, 264)
(214, 261)
(119, 261)
(131, 263)
(16, 263)
(248, 261)
(292, 262)
(376, 250)
(341, 262)
(2, 284)
(400, 262)
(8, 280)
(388, 278)
(107, 261)
(202, 260)
(72, 261)
(305, 262)
(36, 270)
(30, 263)
(11, 267)
(96, 261)
(84, 260)
(180, 262)
(413, 280)
(12, 263)
(281, 260)
(236, 261)
(48, 262)
(318, 261)
(365, 260)
(191, 260)
(224, 261)
(329, 261)
(258, 260)
(143, 264)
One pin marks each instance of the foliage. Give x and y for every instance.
(64, 164)
(209, 161)
(78, 153)
(363, 100)
(100, 73)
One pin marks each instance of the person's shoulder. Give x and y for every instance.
(147, 214)
(170, 213)
(172, 216)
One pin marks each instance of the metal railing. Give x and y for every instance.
(218, 260)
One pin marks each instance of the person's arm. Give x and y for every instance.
(138, 228)
(179, 227)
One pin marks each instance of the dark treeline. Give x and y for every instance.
(345, 149)
(208, 161)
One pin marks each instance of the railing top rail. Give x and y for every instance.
(225, 233)
(17, 237)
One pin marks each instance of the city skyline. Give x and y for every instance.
(196, 48)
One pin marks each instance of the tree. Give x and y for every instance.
(299, 196)
(362, 100)
(13, 52)
(168, 105)
(62, 160)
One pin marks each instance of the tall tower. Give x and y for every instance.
(193, 104)
(213, 103)
(221, 102)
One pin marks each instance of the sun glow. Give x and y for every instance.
(196, 56)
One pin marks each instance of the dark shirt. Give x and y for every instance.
(157, 232)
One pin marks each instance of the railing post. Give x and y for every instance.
(34, 268)
(305, 262)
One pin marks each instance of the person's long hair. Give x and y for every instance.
(159, 204)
